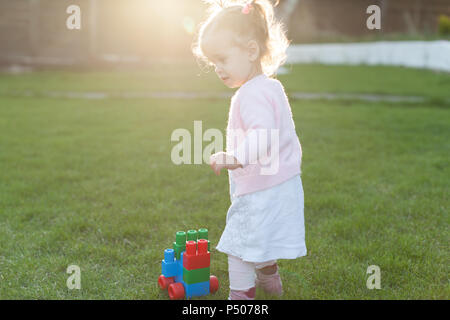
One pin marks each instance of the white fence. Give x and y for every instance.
(417, 54)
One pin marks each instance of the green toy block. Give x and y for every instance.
(192, 235)
(178, 249)
(196, 275)
(203, 233)
(180, 238)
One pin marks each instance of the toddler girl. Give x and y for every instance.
(265, 220)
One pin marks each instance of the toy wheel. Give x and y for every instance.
(176, 291)
(213, 284)
(164, 282)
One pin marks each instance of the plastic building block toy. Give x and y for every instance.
(199, 259)
(186, 268)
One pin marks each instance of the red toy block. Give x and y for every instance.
(196, 259)
(191, 248)
(202, 246)
(191, 262)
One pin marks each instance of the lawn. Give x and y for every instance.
(90, 182)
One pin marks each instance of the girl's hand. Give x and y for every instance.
(222, 160)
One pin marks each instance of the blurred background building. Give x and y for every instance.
(140, 31)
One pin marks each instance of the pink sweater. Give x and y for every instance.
(261, 136)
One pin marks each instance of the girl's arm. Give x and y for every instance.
(259, 118)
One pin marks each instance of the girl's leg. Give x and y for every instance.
(268, 277)
(242, 279)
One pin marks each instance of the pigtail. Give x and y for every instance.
(276, 43)
(257, 22)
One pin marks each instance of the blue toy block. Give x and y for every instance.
(179, 272)
(169, 255)
(179, 278)
(169, 266)
(169, 269)
(196, 289)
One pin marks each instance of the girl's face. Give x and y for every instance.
(234, 65)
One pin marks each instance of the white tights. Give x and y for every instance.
(242, 273)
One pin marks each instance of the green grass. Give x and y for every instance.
(188, 77)
(91, 183)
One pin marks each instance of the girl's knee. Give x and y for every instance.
(241, 273)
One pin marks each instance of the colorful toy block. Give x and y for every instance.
(178, 250)
(179, 275)
(169, 266)
(196, 262)
(197, 289)
(196, 275)
(180, 243)
(186, 267)
(192, 235)
(199, 259)
(203, 234)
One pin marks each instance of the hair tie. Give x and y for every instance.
(246, 8)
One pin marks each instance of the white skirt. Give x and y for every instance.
(267, 224)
